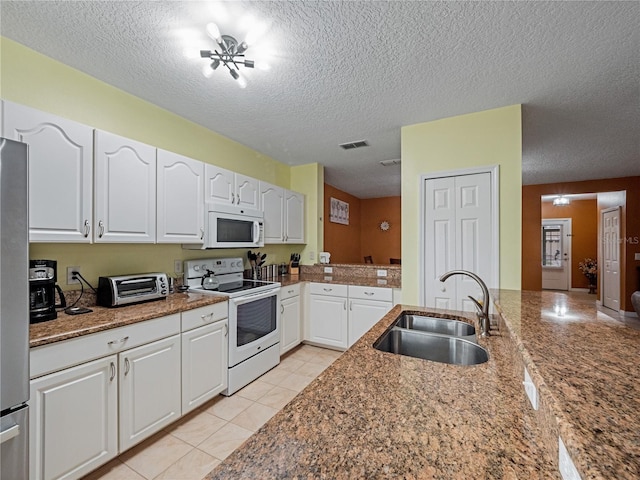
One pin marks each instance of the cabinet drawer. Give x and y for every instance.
(371, 293)
(204, 315)
(332, 289)
(50, 358)
(290, 291)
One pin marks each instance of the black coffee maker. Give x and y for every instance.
(42, 291)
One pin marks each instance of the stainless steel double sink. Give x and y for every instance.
(432, 338)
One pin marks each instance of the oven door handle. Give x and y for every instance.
(255, 296)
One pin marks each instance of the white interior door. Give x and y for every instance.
(556, 254)
(458, 234)
(611, 258)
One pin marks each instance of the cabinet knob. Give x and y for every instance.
(87, 228)
(113, 371)
(127, 366)
(100, 229)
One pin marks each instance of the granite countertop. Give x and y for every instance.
(70, 326)
(378, 415)
(586, 366)
(373, 414)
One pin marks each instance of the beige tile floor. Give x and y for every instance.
(194, 445)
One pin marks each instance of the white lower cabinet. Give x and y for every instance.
(339, 315)
(149, 389)
(367, 305)
(290, 335)
(328, 315)
(95, 396)
(204, 363)
(73, 421)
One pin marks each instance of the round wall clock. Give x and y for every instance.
(384, 226)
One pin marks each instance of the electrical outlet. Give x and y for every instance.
(70, 279)
(530, 389)
(328, 269)
(382, 273)
(637, 256)
(568, 470)
(177, 266)
(312, 256)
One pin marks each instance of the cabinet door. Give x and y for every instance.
(328, 321)
(125, 190)
(204, 364)
(219, 185)
(247, 193)
(294, 217)
(364, 314)
(180, 205)
(60, 173)
(272, 204)
(289, 323)
(149, 389)
(73, 420)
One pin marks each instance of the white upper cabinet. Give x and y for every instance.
(293, 217)
(230, 188)
(272, 204)
(125, 190)
(60, 173)
(283, 214)
(180, 205)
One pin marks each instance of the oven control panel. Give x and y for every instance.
(219, 266)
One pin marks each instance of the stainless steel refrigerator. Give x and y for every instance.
(14, 311)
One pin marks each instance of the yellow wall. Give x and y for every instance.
(310, 179)
(31, 79)
(492, 137)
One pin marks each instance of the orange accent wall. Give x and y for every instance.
(584, 231)
(382, 246)
(362, 237)
(342, 241)
(630, 229)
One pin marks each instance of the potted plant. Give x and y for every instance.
(589, 269)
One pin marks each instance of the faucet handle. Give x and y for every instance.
(477, 304)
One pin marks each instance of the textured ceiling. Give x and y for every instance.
(354, 70)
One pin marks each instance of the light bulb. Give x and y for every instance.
(242, 82)
(214, 32)
(207, 71)
(264, 66)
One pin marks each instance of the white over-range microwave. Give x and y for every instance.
(230, 226)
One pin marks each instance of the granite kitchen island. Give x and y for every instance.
(378, 415)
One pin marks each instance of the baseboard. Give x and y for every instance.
(629, 314)
(585, 290)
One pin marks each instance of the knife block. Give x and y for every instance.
(294, 268)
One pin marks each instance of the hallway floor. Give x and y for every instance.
(194, 445)
(590, 299)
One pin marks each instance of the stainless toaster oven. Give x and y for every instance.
(128, 289)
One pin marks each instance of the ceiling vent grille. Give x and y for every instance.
(358, 144)
(388, 163)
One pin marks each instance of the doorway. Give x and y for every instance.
(611, 246)
(556, 254)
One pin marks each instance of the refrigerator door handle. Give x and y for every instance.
(9, 433)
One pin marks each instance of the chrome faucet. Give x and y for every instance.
(483, 309)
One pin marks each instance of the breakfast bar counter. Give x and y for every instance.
(373, 414)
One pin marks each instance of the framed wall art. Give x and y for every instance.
(339, 212)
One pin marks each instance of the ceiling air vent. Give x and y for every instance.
(388, 163)
(358, 144)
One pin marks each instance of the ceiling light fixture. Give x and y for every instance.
(231, 55)
(561, 201)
